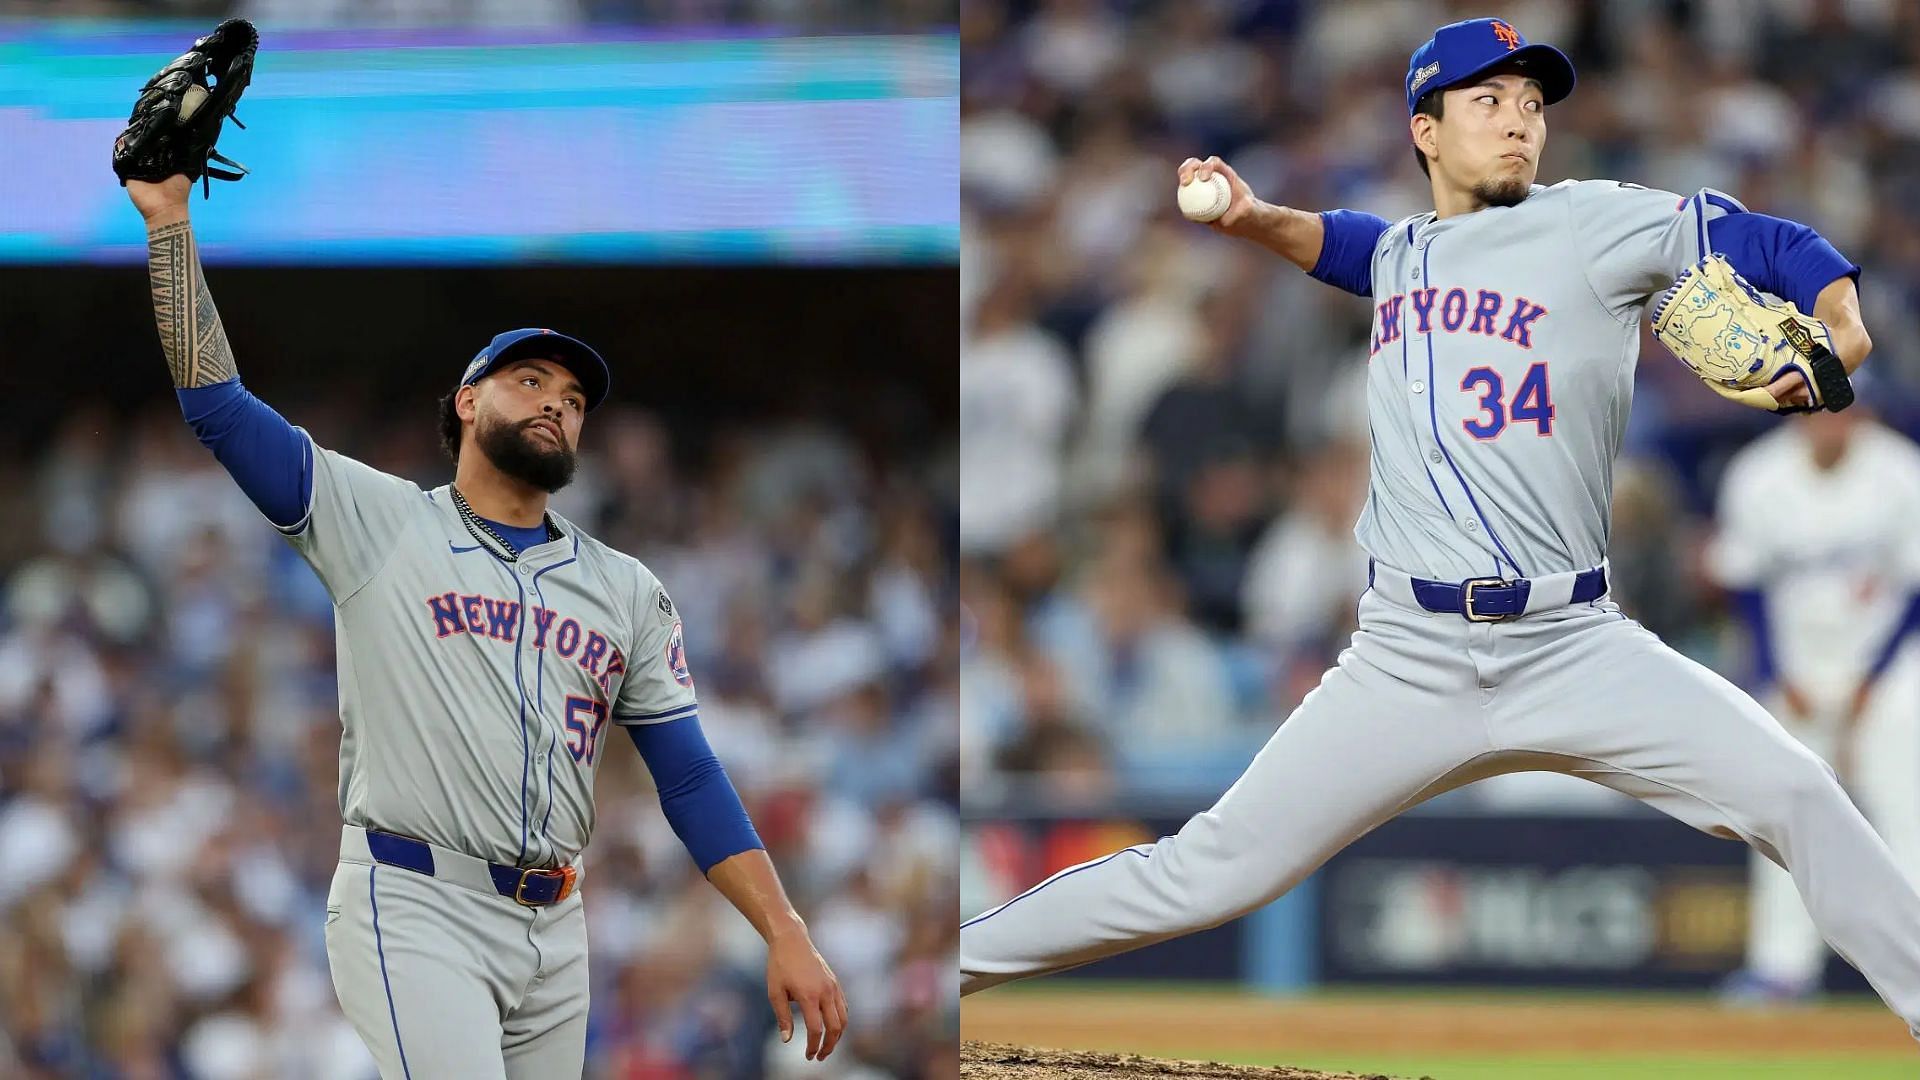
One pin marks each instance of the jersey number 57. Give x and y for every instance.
(585, 718)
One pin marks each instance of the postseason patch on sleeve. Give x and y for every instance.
(662, 601)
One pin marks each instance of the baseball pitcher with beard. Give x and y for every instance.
(485, 646)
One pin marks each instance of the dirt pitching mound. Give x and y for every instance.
(995, 1061)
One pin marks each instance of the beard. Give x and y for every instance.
(1501, 191)
(513, 450)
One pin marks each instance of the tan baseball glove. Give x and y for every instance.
(1738, 340)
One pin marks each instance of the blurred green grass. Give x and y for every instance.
(1592, 1067)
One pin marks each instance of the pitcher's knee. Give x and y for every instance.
(1800, 786)
(1207, 887)
(1814, 783)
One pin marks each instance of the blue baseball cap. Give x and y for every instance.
(576, 355)
(1459, 51)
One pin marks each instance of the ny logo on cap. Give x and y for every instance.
(1508, 35)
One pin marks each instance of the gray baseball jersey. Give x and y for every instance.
(1482, 323)
(1501, 373)
(475, 691)
(476, 687)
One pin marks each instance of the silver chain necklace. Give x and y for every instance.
(477, 523)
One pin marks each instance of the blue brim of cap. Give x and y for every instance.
(575, 355)
(1543, 63)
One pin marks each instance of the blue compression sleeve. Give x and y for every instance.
(1909, 622)
(270, 461)
(1752, 606)
(1783, 257)
(1346, 255)
(699, 800)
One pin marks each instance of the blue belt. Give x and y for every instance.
(530, 886)
(1494, 599)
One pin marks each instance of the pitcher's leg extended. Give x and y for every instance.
(1362, 746)
(1659, 726)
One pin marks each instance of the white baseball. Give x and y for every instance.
(190, 102)
(1205, 200)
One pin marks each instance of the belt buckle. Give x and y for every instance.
(1466, 601)
(565, 874)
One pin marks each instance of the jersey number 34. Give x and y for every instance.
(1532, 402)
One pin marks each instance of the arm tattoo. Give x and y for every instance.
(190, 330)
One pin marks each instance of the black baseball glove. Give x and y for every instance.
(177, 119)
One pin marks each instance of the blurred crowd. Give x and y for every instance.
(885, 16)
(1164, 438)
(169, 752)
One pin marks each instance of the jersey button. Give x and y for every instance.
(1470, 525)
(1433, 456)
(1416, 270)
(525, 569)
(1419, 387)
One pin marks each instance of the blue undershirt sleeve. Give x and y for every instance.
(1783, 257)
(695, 793)
(1752, 606)
(1909, 622)
(265, 455)
(1346, 255)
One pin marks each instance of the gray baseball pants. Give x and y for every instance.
(443, 977)
(1422, 703)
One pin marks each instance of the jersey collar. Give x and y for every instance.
(1431, 224)
(559, 531)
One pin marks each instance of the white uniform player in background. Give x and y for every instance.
(1819, 542)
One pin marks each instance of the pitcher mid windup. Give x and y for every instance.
(1505, 333)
